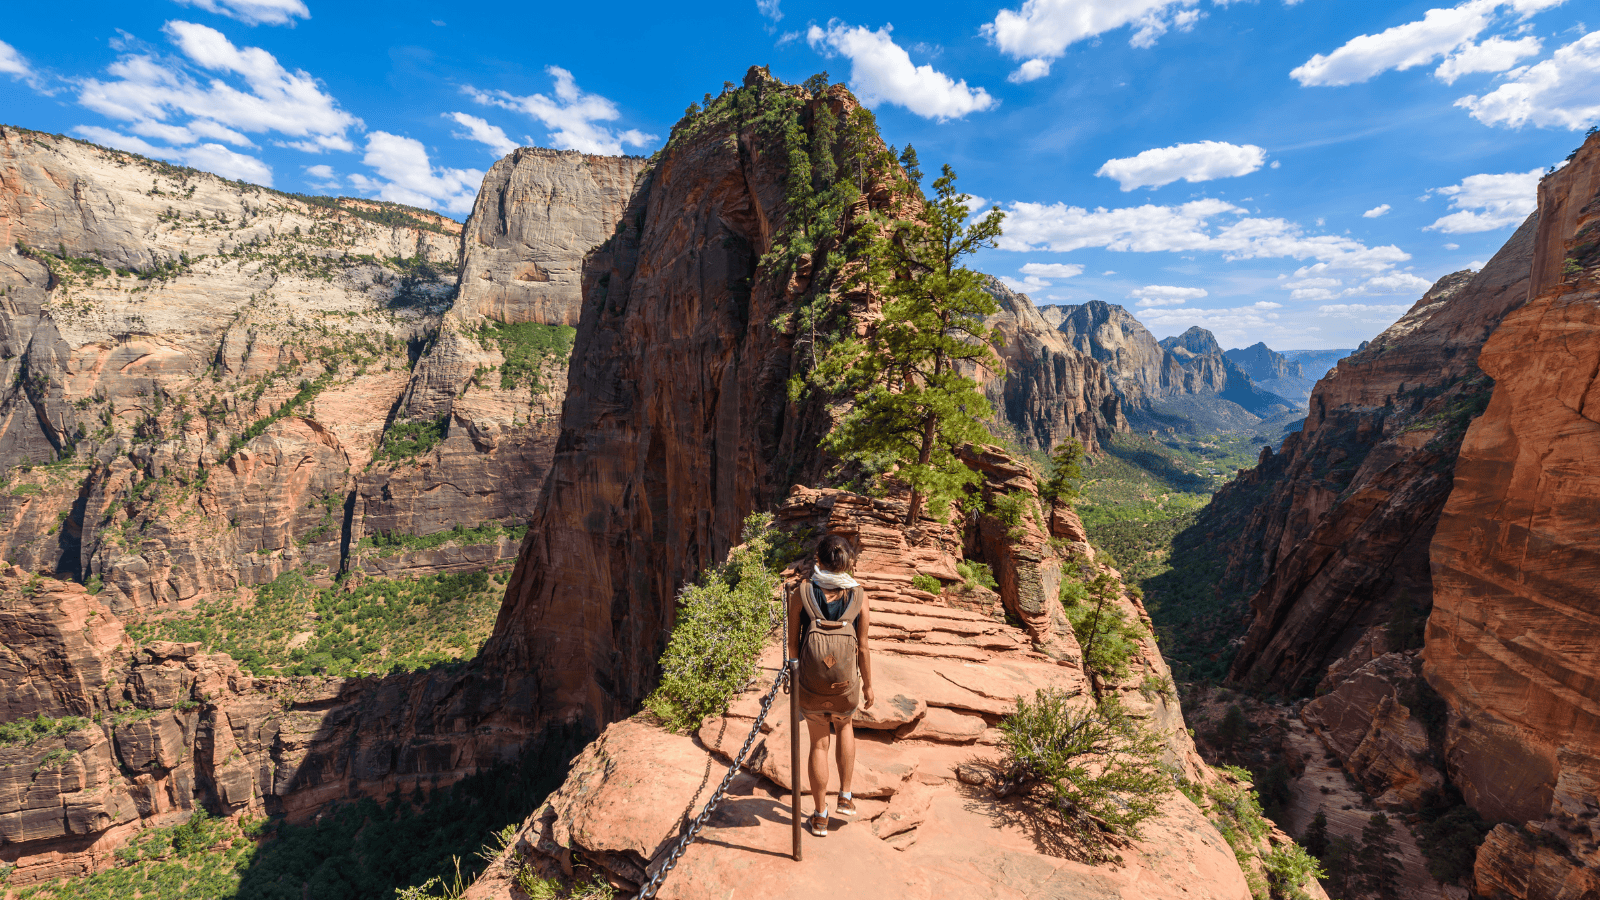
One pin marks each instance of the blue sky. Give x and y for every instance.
(1289, 172)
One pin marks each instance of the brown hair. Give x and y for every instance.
(835, 554)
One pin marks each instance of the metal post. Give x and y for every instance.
(794, 750)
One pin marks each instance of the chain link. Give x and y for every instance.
(649, 890)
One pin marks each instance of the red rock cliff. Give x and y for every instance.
(1513, 644)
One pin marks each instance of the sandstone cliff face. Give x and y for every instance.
(1511, 643)
(1052, 391)
(676, 424)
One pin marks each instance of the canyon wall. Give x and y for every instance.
(1512, 642)
(1183, 381)
(1051, 391)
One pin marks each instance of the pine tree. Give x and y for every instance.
(1338, 861)
(1233, 730)
(1315, 840)
(1380, 872)
(913, 406)
(1066, 469)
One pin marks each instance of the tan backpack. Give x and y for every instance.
(830, 670)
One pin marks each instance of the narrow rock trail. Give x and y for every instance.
(945, 672)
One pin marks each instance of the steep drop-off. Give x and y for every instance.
(1513, 644)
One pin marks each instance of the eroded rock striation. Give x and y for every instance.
(1511, 643)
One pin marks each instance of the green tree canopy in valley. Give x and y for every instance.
(913, 405)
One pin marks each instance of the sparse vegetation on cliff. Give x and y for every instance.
(380, 625)
(23, 732)
(526, 346)
(723, 619)
(408, 440)
(390, 543)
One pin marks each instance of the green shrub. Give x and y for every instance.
(1010, 509)
(723, 619)
(407, 440)
(1449, 835)
(1109, 640)
(525, 346)
(24, 732)
(1289, 869)
(927, 583)
(1066, 470)
(974, 574)
(1086, 765)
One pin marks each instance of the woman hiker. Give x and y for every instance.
(828, 625)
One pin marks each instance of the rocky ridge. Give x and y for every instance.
(1273, 372)
(946, 668)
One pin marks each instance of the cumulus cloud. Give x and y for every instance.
(254, 12)
(1032, 70)
(155, 94)
(1487, 202)
(1053, 270)
(572, 115)
(769, 9)
(407, 176)
(1396, 283)
(322, 177)
(210, 157)
(1201, 225)
(1376, 211)
(1493, 55)
(490, 136)
(1043, 29)
(1436, 34)
(1560, 92)
(881, 71)
(1165, 295)
(1202, 161)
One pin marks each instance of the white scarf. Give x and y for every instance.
(830, 581)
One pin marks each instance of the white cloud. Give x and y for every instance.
(1560, 92)
(1202, 161)
(769, 9)
(1493, 55)
(1165, 295)
(1452, 246)
(148, 91)
(1053, 270)
(1488, 202)
(1200, 225)
(213, 158)
(1376, 211)
(15, 64)
(411, 179)
(490, 136)
(322, 177)
(1476, 265)
(1364, 312)
(1032, 70)
(1031, 283)
(1396, 283)
(1266, 304)
(1436, 34)
(1043, 29)
(572, 116)
(254, 12)
(882, 72)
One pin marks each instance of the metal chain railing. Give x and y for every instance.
(649, 890)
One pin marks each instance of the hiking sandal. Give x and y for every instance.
(819, 824)
(847, 806)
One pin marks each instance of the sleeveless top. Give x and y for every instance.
(832, 609)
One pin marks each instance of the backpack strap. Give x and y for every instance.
(858, 596)
(808, 602)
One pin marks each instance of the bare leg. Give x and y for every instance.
(817, 729)
(847, 755)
